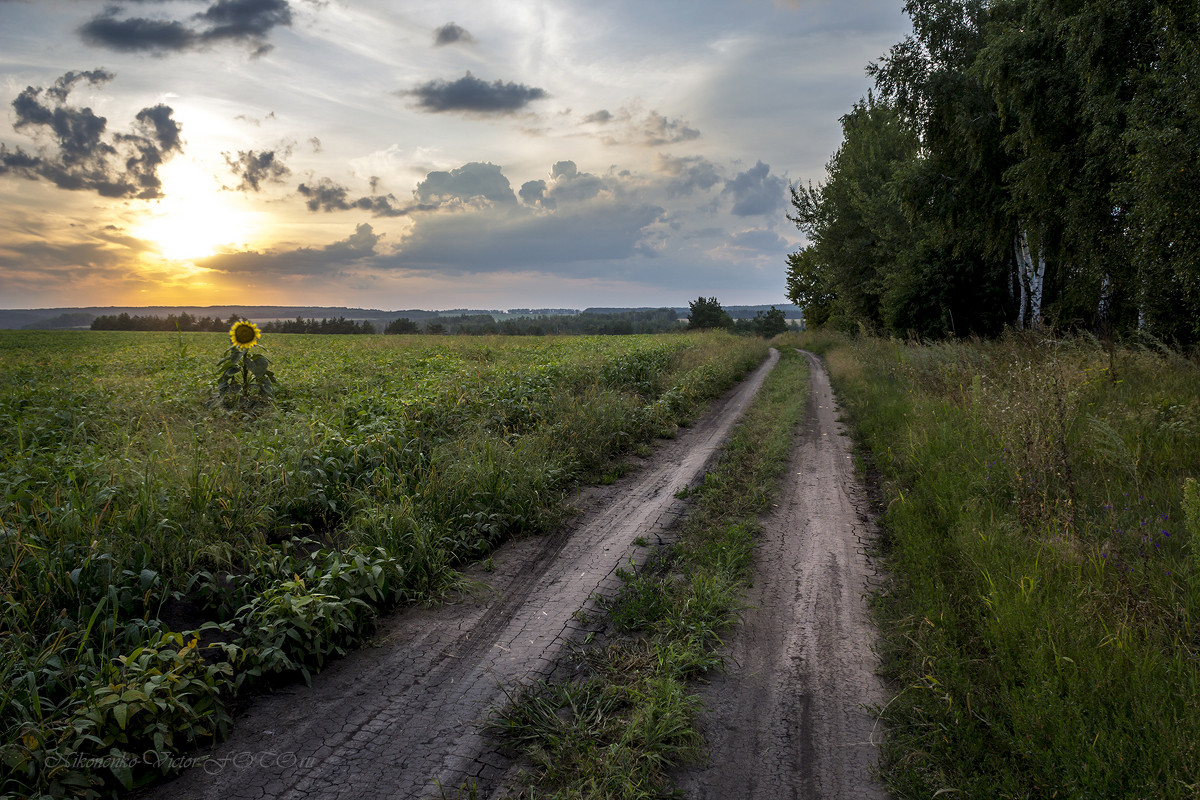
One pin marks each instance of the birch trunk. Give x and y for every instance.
(1031, 274)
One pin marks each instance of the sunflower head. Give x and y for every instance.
(244, 334)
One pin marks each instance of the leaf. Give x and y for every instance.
(121, 771)
(257, 365)
(132, 695)
(121, 715)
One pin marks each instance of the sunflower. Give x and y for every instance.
(244, 334)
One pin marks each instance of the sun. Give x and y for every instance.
(195, 218)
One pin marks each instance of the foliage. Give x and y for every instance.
(1043, 619)
(131, 511)
(402, 325)
(245, 376)
(766, 324)
(300, 325)
(1066, 127)
(184, 322)
(707, 313)
(617, 730)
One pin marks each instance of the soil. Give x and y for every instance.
(401, 719)
(789, 719)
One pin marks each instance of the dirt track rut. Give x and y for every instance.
(389, 721)
(787, 720)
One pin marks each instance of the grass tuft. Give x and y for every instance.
(1041, 630)
(616, 731)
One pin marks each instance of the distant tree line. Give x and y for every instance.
(171, 322)
(188, 322)
(301, 325)
(620, 323)
(1019, 163)
(707, 313)
(658, 320)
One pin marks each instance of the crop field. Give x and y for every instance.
(162, 554)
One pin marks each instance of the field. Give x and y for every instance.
(1042, 626)
(135, 510)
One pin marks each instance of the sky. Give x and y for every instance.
(401, 154)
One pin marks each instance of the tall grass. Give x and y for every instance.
(1041, 631)
(132, 509)
(615, 731)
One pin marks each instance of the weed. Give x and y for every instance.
(126, 500)
(1041, 624)
(616, 731)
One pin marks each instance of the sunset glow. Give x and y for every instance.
(196, 218)
(402, 155)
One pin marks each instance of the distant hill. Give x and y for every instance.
(81, 318)
(790, 311)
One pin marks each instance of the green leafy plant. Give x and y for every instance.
(245, 375)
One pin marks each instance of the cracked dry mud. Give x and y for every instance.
(401, 719)
(787, 719)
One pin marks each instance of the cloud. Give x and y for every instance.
(759, 241)
(326, 195)
(330, 259)
(660, 130)
(254, 169)
(533, 193)
(451, 34)
(651, 129)
(465, 184)
(241, 21)
(756, 191)
(83, 157)
(688, 174)
(471, 95)
(497, 240)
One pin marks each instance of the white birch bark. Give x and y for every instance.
(1031, 274)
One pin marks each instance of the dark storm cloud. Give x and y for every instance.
(243, 21)
(254, 169)
(83, 157)
(471, 95)
(327, 260)
(688, 174)
(451, 33)
(756, 191)
(325, 195)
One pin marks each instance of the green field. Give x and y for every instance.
(1042, 534)
(135, 509)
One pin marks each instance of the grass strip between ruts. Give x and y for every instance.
(616, 730)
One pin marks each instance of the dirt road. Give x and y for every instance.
(392, 720)
(786, 720)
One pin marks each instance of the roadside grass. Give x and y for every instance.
(616, 730)
(1041, 630)
(160, 557)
